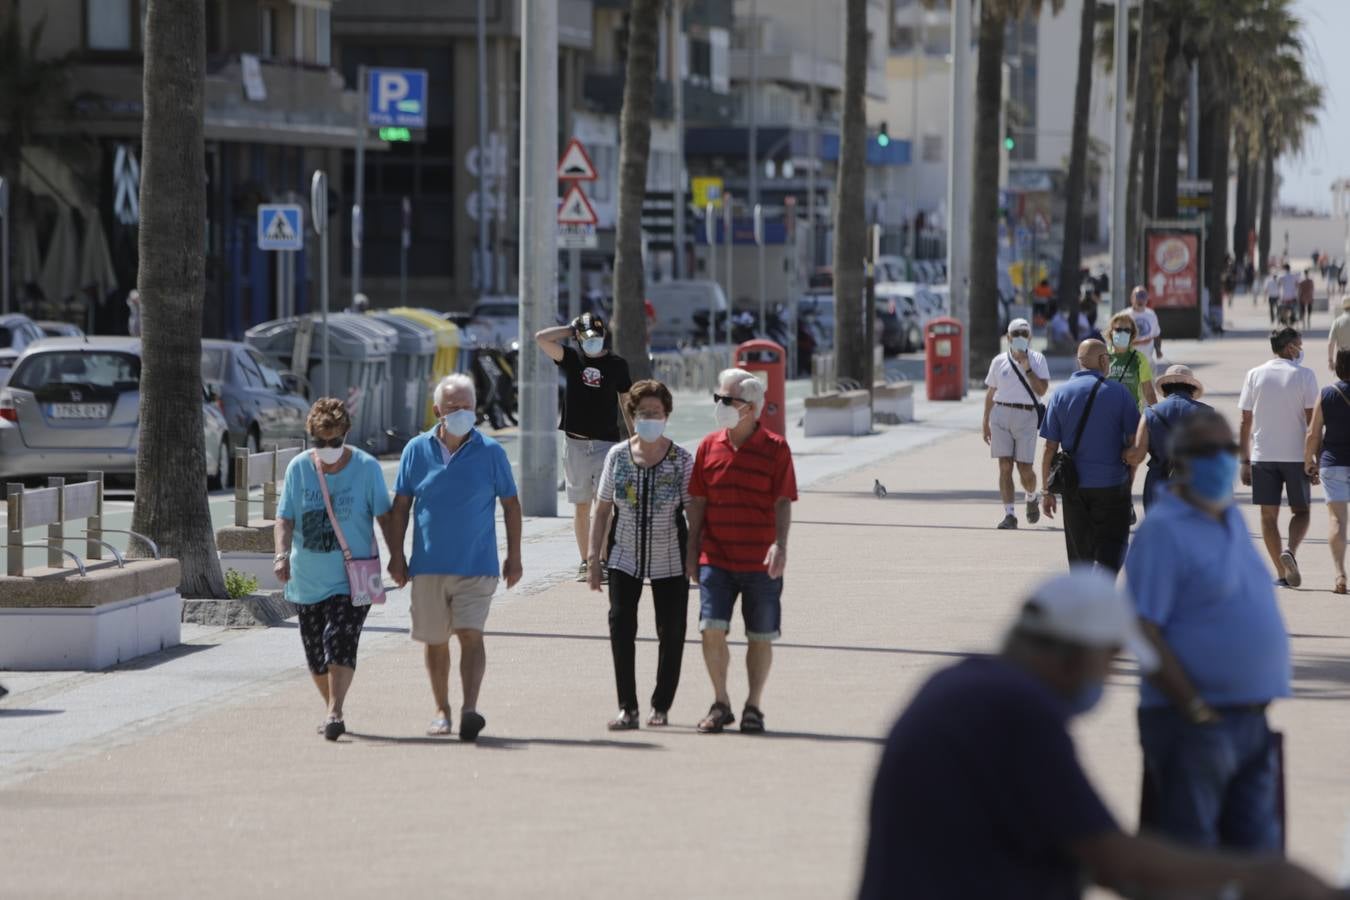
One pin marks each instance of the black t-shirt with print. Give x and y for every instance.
(591, 406)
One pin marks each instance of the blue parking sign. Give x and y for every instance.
(396, 97)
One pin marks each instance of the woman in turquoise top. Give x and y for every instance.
(1129, 366)
(309, 559)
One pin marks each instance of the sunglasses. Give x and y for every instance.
(328, 442)
(727, 401)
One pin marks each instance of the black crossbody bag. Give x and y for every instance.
(1063, 479)
(1035, 401)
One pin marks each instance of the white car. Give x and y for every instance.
(496, 321)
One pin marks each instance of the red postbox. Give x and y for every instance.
(768, 360)
(943, 366)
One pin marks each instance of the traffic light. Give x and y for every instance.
(883, 136)
(1009, 142)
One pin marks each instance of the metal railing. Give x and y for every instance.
(266, 470)
(55, 506)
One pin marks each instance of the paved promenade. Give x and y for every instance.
(199, 771)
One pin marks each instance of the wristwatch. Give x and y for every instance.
(281, 556)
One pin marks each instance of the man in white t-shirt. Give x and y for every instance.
(1148, 333)
(1288, 295)
(1273, 293)
(1016, 381)
(1277, 404)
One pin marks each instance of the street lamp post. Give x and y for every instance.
(1120, 158)
(959, 174)
(539, 254)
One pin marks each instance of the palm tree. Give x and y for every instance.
(984, 330)
(853, 357)
(635, 129)
(1072, 255)
(171, 505)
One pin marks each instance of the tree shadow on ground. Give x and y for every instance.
(778, 645)
(1329, 677)
(503, 743)
(6, 713)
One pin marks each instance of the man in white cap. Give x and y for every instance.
(1339, 338)
(1181, 392)
(1206, 602)
(1012, 415)
(980, 792)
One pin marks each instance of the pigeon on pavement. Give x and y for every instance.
(878, 489)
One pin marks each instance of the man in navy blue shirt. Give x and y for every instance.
(1205, 598)
(980, 792)
(1097, 514)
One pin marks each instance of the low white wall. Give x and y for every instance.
(34, 639)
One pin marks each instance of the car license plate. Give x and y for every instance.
(79, 411)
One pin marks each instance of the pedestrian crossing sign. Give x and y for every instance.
(281, 226)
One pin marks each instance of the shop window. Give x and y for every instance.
(110, 24)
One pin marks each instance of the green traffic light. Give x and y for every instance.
(883, 140)
(395, 135)
(1009, 143)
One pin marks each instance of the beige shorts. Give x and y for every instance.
(1012, 434)
(445, 603)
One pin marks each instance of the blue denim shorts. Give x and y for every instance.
(762, 609)
(1336, 484)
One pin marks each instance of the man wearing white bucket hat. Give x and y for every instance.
(1181, 392)
(980, 792)
(1012, 415)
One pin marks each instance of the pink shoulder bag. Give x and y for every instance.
(364, 577)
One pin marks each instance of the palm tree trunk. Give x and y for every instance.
(984, 330)
(1070, 260)
(1169, 129)
(1267, 196)
(171, 504)
(1148, 190)
(1143, 112)
(852, 355)
(1241, 224)
(635, 128)
(1220, 136)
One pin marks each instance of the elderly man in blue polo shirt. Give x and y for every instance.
(452, 477)
(1206, 602)
(1094, 420)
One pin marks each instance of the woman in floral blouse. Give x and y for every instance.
(643, 491)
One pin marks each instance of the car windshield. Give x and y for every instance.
(496, 310)
(115, 371)
(6, 338)
(213, 365)
(269, 374)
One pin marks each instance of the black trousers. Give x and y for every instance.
(670, 597)
(1097, 526)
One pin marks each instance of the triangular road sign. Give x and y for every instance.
(575, 164)
(576, 209)
(280, 230)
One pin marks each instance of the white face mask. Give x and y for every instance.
(329, 455)
(727, 416)
(650, 430)
(1020, 344)
(460, 422)
(1298, 360)
(593, 346)
(1121, 339)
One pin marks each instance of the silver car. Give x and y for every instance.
(261, 405)
(16, 333)
(73, 405)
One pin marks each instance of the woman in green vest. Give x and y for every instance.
(1129, 366)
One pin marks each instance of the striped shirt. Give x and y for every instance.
(649, 532)
(741, 487)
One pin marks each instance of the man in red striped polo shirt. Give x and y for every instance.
(743, 486)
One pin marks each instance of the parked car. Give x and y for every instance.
(16, 333)
(496, 321)
(73, 406)
(682, 308)
(52, 328)
(261, 406)
(893, 268)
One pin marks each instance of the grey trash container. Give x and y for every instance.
(410, 368)
(360, 349)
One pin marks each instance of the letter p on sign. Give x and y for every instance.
(390, 87)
